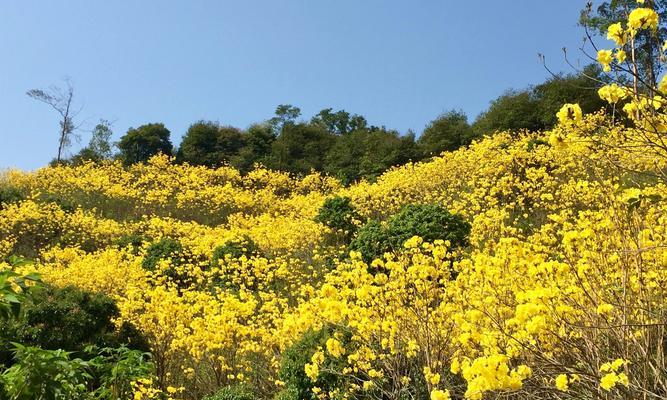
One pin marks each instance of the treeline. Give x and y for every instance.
(343, 144)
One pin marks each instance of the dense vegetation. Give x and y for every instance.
(341, 144)
(529, 263)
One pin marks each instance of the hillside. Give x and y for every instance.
(559, 285)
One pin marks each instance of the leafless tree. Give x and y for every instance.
(61, 101)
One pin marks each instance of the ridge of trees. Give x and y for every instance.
(343, 144)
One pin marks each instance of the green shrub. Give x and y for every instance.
(44, 374)
(337, 213)
(9, 194)
(236, 392)
(429, 221)
(234, 249)
(297, 384)
(372, 241)
(53, 374)
(69, 319)
(166, 248)
(133, 241)
(115, 369)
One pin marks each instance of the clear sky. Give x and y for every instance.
(399, 63)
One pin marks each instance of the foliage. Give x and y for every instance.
(430, 222)
(9, 194)
(339, 122)
(139, 144)
(99, 147)
(165, 248)
(298, 385)
(208, 143)
(236, 392)
(366, 154)
(69, 319)
(234, 249)
(338, 213)
(535, 108)
(300, 148)
(45, 374)
(448, 132)
(115, 369)
(14, 290)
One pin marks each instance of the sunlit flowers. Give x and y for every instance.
(605, 58)
(643, 18)
(569, 113)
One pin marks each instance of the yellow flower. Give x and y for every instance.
(437, 394)
(643, 18)
(605, 58)
(612, 93)
(609, 381)
(621, 56)
(562, 383)
(662, 86)
(569, 112)
(605, 309)
(615, 32)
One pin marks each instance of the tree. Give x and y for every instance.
(286, 114)
(367, 153)
(60, 100)
(257, 146)
(578, 88)
(535, 107)
(339, 122)
(300, 148)
(448, 132)
(140, 144)
(649, 43)
(513, 111)
(99, 147)
(200, 144)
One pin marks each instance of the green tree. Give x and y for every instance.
(45, 374)
(448, 132)
(200, 144)
(513, 111)
(339, 122)
(99, 147)
(286, 114)
(580, 88)
(257, 146)
(208, 143)
(647, 43)
(65, 318)
(367, 153)
(140, 144)
(300, 148)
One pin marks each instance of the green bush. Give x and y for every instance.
(234, 249)
(9, 194)
(165, 248)
(338, 213)
(69, 319)
(132, 241)
(53, 374)
(372, 241)
(44, 374)
(429, 221)
(297, 384)
(115, 369)
(236, 392)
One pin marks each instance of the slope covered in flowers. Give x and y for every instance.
(560, 293)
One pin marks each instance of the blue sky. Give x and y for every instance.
(399, 63)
